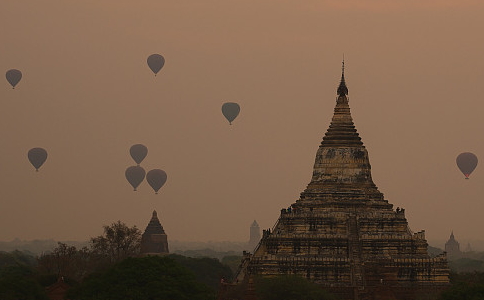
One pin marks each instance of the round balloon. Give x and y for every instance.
(156, 62)
(135, 175)
(230, 110)
(138, 152)
(466, 162)
(13, 77)
(37, 157)
(156, 179)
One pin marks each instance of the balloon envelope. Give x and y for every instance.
(156, 62)
(466, 162)
(230, 110)
(135, 175)
(37, 157)
(138, 152)
(13, 77)
(156, 179)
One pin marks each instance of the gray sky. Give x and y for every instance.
(414, 72)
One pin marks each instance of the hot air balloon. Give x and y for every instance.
(135, 175)
(138, 152)
(37, 157)
(466, 162)
(156, 62)
(230, 110)
(156, 179)
(13, 77)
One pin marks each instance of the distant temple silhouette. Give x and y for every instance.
(154, 240)
(342, 234)
(452, 247)
(254, 235)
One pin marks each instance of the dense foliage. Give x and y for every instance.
(108, 270)
(207, 270)
(465, 286)
(16, 258)
(20, 282)
(22, 276)
(233, 261)
(466, 265)
(117, 242)
(151, 277)
(68, 262)
(289, 287)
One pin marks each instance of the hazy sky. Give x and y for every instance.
(414, 72)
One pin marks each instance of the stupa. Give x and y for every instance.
(154, 240)
(452, 247)
(342, 233)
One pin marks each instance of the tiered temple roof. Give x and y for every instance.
(342, 233)
(154, 240)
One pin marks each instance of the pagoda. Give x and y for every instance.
(452, 247)
(154, 240)
(342, 233)
(254, 235)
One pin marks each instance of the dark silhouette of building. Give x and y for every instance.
(452, 247)
(342, 233)
(254, 235)
(154, 240)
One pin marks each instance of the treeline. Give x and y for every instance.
(173, 277)
(109, 268)
(217, 248)
(36, 247)
(465, 286)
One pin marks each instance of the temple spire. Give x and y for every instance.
(342, 89)
(342, 131)
(342, 160)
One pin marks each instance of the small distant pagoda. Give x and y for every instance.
(452, 247)
(254, 235)
(343, 234)
(154, 240)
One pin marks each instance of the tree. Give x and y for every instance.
(16, 258)
(118, 242)
(60, 261)
(18, 279)
(289, 287)
(464, 291)
(465, 286)
(466, 265)
(233, 261)
(68, 262)
(141, 278)
(19, 282)
(206, 270)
